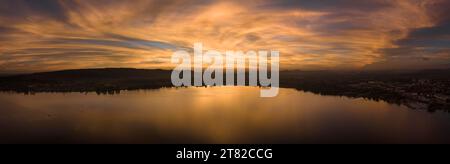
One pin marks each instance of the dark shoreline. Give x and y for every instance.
(424, 90)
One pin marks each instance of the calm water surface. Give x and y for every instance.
(212, 115)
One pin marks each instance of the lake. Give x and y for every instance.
(213, 115)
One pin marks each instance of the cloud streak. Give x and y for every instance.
(332, 34)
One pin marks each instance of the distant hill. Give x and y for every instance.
(87, 80)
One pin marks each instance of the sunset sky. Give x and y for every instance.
(43, 35)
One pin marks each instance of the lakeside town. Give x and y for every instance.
(419, 94)
(423, 90)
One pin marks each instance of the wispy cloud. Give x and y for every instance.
(332, 34)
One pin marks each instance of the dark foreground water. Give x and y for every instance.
(213, 115)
